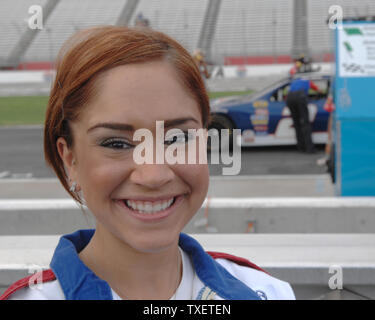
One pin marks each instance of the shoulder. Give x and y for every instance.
(40, 286)
(266, 286)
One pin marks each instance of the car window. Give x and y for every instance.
(279, 95)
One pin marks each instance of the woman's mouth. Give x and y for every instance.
(149, 207)
(147, 210)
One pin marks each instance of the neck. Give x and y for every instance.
(130, 273)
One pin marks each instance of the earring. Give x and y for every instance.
(73, 187)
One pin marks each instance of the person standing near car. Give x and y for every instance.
(296, 68)
(199, 59)
(297, 101)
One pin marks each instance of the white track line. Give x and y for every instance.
(267, 177)
(292, 202)
(22, 127)
(234, 203)
(4, 174)
(8, 180)
(213, 178)
(37, 204)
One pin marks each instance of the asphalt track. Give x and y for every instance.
(21, 156)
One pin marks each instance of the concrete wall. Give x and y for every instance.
(305, 261)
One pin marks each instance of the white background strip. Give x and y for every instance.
(326, 202)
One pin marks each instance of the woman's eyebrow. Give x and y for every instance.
(128, 127)
(113, 126)
(175, 122)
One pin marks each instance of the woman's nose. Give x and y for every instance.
(152, 176)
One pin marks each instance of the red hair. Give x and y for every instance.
(89, 53)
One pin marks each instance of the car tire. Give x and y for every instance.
(220, 122)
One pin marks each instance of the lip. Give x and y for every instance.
(152, 199)
(163, 214)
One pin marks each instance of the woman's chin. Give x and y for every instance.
(152, 242)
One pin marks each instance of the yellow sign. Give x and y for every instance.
(260, 104)
(259, 121)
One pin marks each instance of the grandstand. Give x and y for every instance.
(229, 31)
(262, 28)
(68, 17)
(180, 19)
(13, 23)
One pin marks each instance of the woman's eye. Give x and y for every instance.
(116, 144)
(178, 138)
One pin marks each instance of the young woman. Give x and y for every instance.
(110, 82)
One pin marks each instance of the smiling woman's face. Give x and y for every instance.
(114, 187)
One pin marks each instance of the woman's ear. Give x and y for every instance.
(68, 158)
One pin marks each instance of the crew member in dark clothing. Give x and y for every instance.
(297, 100)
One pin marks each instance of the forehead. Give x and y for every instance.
(140, 94)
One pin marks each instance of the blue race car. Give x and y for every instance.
(264, 118)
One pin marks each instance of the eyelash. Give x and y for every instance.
(187, 136)
(118, 144)
(113, 143)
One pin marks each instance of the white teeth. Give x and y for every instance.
(149, 207)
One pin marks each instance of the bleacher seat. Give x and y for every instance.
(68, 17)
(253, 28)
(256, 29)
(181, 20)
(13, 22)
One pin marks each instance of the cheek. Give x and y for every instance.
(99, 176)
(197, 177)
